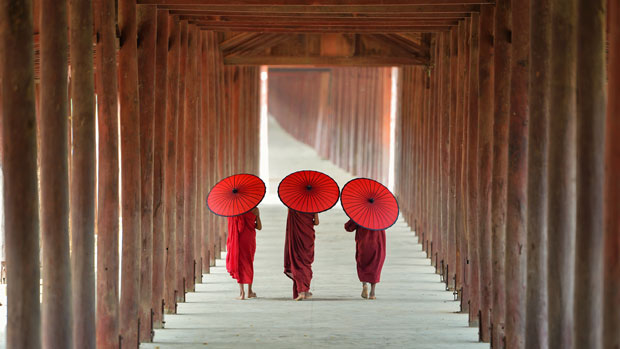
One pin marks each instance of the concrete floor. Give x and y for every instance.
(412, 309)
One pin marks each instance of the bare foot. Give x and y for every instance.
(301, 297)
(252, 295)
(372, 296)
(308, 295)
(364, 291)
(241, 297)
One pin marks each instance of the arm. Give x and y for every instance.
(350, 225)
(256, 212)
(316, 219)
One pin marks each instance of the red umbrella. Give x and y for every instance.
(369, 204)
(236, 195)
(308, 191)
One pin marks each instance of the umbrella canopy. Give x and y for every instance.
(308, 191)
(236, 195)
(369, 204)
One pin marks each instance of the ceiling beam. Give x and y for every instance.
(234, 16)
(324, 23)
(331, 29)
(325, 61)
(316, 3)
(293, 9)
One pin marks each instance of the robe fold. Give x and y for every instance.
(240, 247)
(299, 250)
(369, 252)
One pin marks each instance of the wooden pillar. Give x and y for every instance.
(54, 178)
(561, 175)
(107, 176)
(485, 158)
(536, 305)
(189, 162)
(180, 167)
(451, 200)
(591, 103)
(170, 278)
(201, 159)
(147, 31)
(611, 226)
(516, 210)
(445, 150)
(19, 161)
(159, 158)
(130, 172)
(83, 165)
(472, 166)
(503, 32)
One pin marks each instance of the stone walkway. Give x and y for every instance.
(412, 309)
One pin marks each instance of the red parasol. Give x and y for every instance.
(236, 195)
(308, 191)
(369, 204)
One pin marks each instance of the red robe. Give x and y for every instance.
(299, 250)
(369, 252)
(240, 247)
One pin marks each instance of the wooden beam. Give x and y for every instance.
(227, 16)
(159, 161)
(326, 29)
(83, 165)
(147, 23)
(256, 44)
(325, 61)
(19, 161)
(315, 3)
(303, 22)
(355, 10)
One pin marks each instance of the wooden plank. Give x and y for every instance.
(107, 176)
(298, 9)
(536, 332)
(591, 104)
(228, 16)
(324, 29)
(324, 61)
(54, 177)
(159, 159)
(301, 22)
(83, 166)
(19, 161)
(146, 35)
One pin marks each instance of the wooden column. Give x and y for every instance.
(536, 306)
(147, 32)
(170, 278)
(19, 161)
(472, 167)
(591, 103)
(159, 158)
(189, 153)
(107, 176)
(130, 172)
(83, 165)
(503, 32)
(611, 226)
(202, 156)
(451, 200)
(445, 149)
(516, 226)
(485, 158)
(180, 167)
(458, 159)
(54, 178)
(561, 202)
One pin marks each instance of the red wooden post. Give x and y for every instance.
(472, 167)
(130, 171)
(146, 32)
(611, 309)
(170, 240)
(159, 158)
(189, 153)
(108, 167)
(591, 103)
(561, 202)
(516, 227)
(445, 149)
(536, 307)
(485, 158)
(54, 178)
(19, 161)
(500, 166)
(83, 165)
(180, 167)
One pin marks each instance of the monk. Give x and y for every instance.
(369, 255)
(240, 248)
(299, 251)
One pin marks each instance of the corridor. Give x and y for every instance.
(412, 308)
